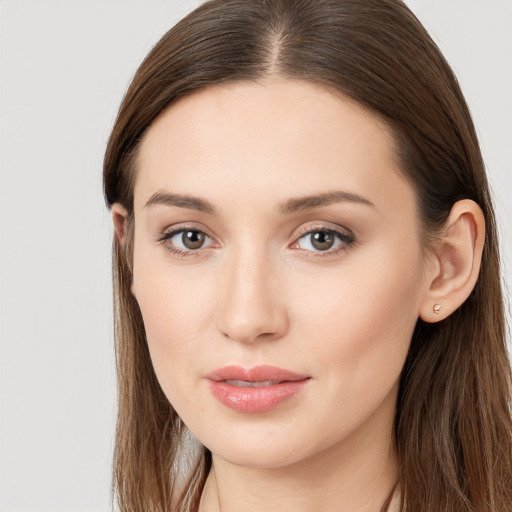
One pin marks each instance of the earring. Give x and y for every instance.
(437, 309)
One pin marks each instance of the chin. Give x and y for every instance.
(268, 457)
(263, 446)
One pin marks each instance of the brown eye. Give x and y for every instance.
(193, 239)
(186, 240)
(322, 240)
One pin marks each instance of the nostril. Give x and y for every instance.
(252, 331)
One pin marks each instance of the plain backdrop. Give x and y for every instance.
(64, 66)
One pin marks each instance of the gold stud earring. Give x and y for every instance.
(437, 309)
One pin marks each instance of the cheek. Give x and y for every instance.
(358, 324)
(175, 303)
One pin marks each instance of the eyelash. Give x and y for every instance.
(346, 239)
(181, 253)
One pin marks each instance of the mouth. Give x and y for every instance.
(248, 383)
(255, 390)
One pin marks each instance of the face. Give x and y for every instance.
(278, 268)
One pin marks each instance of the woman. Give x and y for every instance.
(306, 270)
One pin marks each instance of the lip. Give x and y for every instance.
(276, 386)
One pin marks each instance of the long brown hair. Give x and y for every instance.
(453, 427)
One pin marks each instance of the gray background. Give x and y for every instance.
(64, 66)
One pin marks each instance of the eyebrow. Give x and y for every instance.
(324, 199)
(191, 202)
(288, 207)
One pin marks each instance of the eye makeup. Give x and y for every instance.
(313, 240)
(186, 240)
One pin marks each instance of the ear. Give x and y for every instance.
(119, 218)
(457, 257)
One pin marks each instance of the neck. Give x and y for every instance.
(356, 475)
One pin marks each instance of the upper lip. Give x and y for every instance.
(257, 374)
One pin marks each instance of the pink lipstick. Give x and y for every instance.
(254, 390)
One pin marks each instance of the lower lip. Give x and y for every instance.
(255, 400)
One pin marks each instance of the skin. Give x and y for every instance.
(259, 292)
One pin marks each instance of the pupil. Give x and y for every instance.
(322, 240)
(193, 239)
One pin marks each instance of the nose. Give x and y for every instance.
(252, 304)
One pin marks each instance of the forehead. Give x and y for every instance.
(277, 139)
